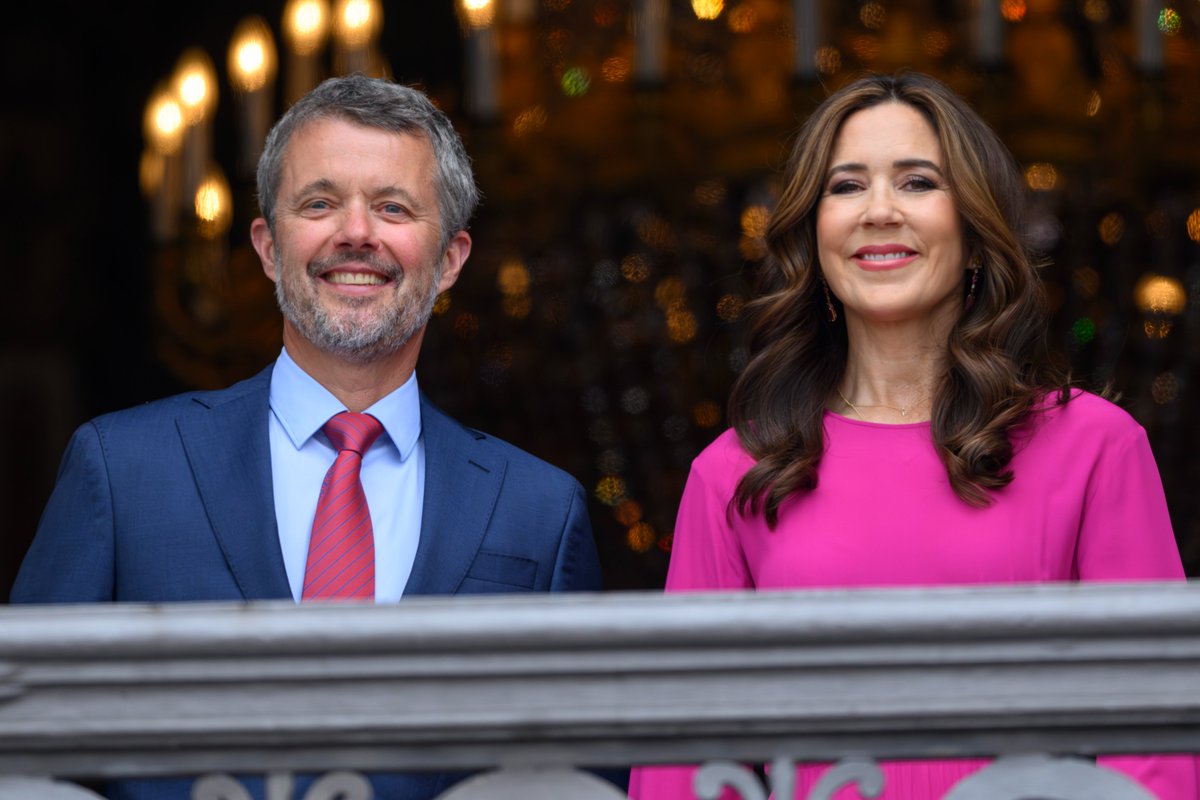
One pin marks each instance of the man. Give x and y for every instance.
(365, 191)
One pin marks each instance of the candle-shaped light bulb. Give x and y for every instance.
(195, 82)
(357, 22)
(305, 30)
(252, 67)
(306, 25)
(251, 55)
(162, 123)
(213, 204)
(476, 13)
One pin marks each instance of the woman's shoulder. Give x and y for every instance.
(724, 457)
(1081, 416)
(1084, 408)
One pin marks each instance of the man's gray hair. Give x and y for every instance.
(377, 103)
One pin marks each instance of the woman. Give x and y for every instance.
(899, 422)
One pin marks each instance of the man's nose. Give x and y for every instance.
(357, 229)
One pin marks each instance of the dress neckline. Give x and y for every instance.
(862, 423)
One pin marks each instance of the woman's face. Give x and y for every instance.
(889, 237)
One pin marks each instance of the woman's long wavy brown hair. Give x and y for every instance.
(997, 362)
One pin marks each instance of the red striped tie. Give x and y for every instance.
(341, 551)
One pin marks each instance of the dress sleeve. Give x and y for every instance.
(1125, 532)
(705, 552)
(1126, 535)
(705, 555)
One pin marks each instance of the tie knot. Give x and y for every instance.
(350, 431)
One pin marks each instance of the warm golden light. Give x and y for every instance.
(305, 25)
(1093, 104)
(754, 221)
(1111, 228)
(251, 55)
(357, 22)
(516, 306)
(616, 69)
(829, 60)
(1165, 388)
(872, 15)
(513, 278)
(670, 293)
(610, 490)
(477, 13)
(1041, 177)
(682, 325)
(214, 205)
(1158, 294)
(743, 19)
(628, 512)
(729, 307)
(1096, 10)
(1013, 10)
(708, 9)
(635, 268)
(163, 121)
(935, 43)
(640, 537)
(195, 83)
(531, 120)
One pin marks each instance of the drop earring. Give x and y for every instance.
(829, 302)
(971, 291)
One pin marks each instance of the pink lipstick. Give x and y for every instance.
(882, 257)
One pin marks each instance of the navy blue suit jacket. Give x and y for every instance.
(173, 501)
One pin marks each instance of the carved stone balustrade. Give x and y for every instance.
(540, 684)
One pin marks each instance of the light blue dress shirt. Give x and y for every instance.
(393, 473)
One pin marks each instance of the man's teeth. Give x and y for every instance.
(355, 278)
(884, 256)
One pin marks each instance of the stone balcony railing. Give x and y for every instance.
(535, 685)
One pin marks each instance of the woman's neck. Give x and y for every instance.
(892, 371)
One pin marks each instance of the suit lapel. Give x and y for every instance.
(228, 447)
(462, 483)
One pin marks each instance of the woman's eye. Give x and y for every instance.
(917, 183)
(844, 187)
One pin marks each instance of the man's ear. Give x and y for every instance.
(457, 251)
(264, 244)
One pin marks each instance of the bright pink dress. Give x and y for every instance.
(1086, 503)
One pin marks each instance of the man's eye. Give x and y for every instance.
(318, 205)
(393, 208)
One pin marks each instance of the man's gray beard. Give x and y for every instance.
(357, 344)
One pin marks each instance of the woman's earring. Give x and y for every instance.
(829, 302)
(971, 292)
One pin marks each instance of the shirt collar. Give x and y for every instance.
(303, 406)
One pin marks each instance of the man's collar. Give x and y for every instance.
(303, 406)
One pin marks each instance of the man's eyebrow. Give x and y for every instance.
(408, 197)
(316, 187)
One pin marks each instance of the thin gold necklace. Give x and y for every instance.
(901, 411)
